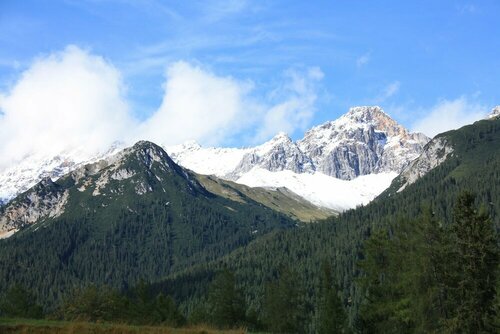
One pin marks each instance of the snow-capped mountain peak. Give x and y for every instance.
(279, 153)
(281, 139)
(495, 112)
(363, 141)
(31, 170)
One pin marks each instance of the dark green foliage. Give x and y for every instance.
(425, 278)
(283, 310)
(226, 304)
(17, 302)
(165, 312)
(331, 314)
(94, 303)
(428, 271)
(476, 256)
(387, 308)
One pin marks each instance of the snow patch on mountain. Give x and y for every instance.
(495, 113)
(208, 161)
(321, 189)
(34, 168)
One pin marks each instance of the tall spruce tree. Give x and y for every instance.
(226, 305)
(332, 317)
(429, 271)
(476, 259)
(283, 309)
(385, 308)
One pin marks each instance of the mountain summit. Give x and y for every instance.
(339, 164)
(495, 112)
(363, 141)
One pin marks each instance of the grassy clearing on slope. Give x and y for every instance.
(281, 199)
(31, 326)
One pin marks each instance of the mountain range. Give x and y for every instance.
(336, 166)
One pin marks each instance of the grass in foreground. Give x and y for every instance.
(31, 326)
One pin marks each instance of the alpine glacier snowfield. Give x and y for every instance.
(321, 189)
(208, 161)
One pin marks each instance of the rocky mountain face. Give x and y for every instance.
(437, 151)
(48, 199)
(363, 141)
(45, 200)
(280, 153)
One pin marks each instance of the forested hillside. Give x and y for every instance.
(339, 240)
(141, 217)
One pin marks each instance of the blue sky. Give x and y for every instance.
(297, 64)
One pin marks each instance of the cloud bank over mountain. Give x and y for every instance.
(64, 100)
(75, 99)
(450, 114)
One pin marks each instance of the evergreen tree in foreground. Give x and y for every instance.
(476, 254)
(386, 305)
(283, 309)
(226, 305)
(331, 314)
(19, 303)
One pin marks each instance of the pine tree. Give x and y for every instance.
(166, 312)
(331, 314)
(283, 309)
(431, 251)
(18, 302)
(477, 256)
(377, 311)
(226, 305)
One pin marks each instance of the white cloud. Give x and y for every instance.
(363, 60)
(74, 100)
(66, 100)
(391, 89)
(388, 91)
(199, 105)
(297, 106)
(450, 114)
